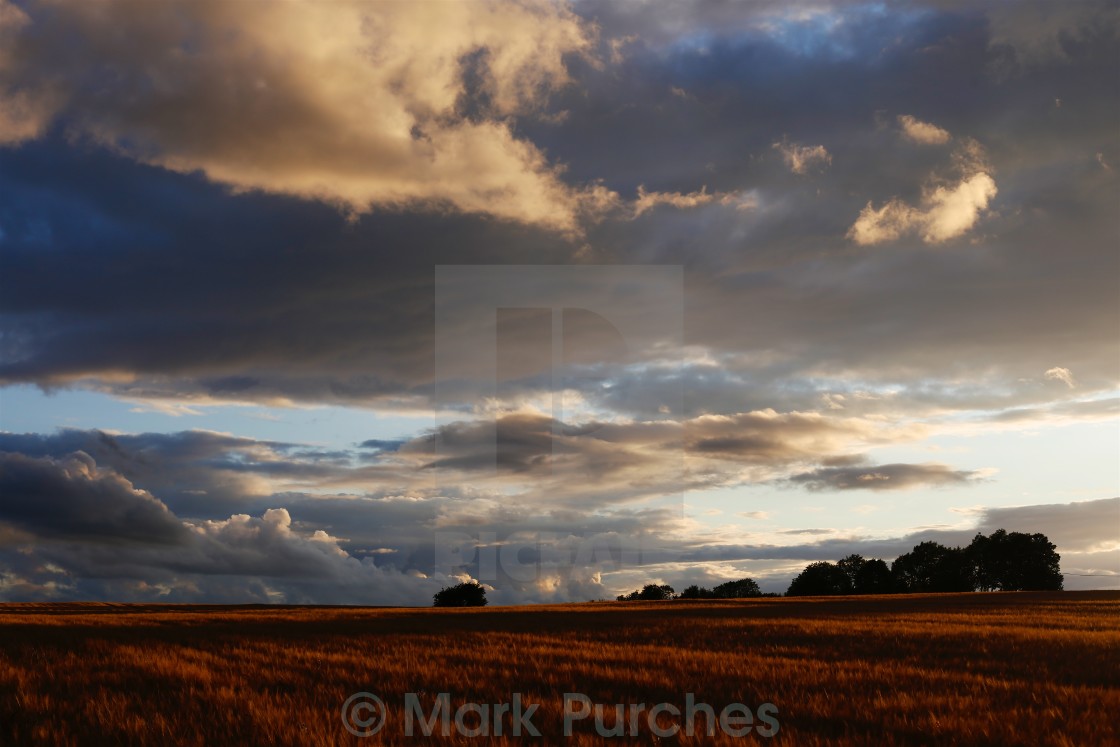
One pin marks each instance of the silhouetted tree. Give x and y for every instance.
(467, 594)
(932, 567)
(696, 592)
(1009, 561)
(655, 593)
(873, 577)
(851, 566)
(820, 579)
(741, 589)
(649, 592)
(1013, 561)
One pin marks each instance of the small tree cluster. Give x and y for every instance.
(741, 589)
(649, 593)
(467, 594)
(1007, 561)
(1012, 561)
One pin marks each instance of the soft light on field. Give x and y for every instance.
(1004, 668)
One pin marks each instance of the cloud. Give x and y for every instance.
(952, 211)
(609, 463)
(23, 113)
(887, 223)
(925, 133)
(70, 498)
(684, 200)
(1068, 411)
(801, 159)
(282, 302)
(1078, 526)
(197, 473)
(1064, 375)
(946, 210)
(884, 477)
(1085, 533)
(360, 105)
(505, 477)
(84, 531)
(152, 284)
(380, 550)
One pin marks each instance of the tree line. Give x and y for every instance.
(1001, 561)
(741, 589)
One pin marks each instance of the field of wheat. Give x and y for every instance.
(969, 669)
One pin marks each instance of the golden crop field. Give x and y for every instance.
(964, 669)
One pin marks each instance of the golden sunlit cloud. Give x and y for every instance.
(361, 105)
(922, 132)
(948, 208)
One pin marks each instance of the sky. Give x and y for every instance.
(346, 302)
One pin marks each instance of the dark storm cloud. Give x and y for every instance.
(391, 501)
(72, 529)
(202, 295)
(245, 298)
(791, 284)
(69, 499)
(197, 473)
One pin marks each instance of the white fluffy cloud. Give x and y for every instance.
(922, 132)
(358, 104)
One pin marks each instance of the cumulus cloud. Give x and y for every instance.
(884, 477)
(84, 531)
(357, 104)
(945, 213)
(801, 159)
(197, 473)
(922, 132)
(947, 209)
(71, 498)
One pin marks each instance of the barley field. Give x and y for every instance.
(963, 669)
